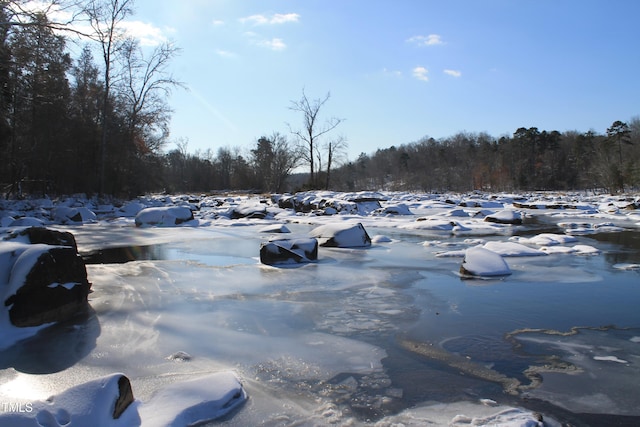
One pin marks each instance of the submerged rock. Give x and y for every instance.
(287, 251)
(342, 235)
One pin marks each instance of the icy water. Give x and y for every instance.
(361, 336)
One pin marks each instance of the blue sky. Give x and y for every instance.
(397, 70)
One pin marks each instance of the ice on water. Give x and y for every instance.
(309, 343)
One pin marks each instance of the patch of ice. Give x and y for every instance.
(626, 266)
(609, 359)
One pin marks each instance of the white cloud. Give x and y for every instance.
(392, 73)
(277, 18)
(430, 40)
(420, 73)
(217, 22)
(273, 44)
(225, 53)
(147, 34)
(453, 73)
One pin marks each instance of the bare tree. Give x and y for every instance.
(104, 17)
(335, 150)
(312, 129)
(143, 89)
(61, 14)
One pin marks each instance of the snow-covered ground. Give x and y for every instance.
(391, 333)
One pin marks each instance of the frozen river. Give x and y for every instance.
(386, 334)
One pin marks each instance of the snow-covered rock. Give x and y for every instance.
(248, 210)
(275, 228)
(43, 280)
(46, 284)
(27, 221)
(507, 216)
(399, 209)
(193, 402)
(65, 215)
(342, 235)
(287, 251)
(512, 249)
(166, 216)
(104, 402)
(483, 263)
(547, 239)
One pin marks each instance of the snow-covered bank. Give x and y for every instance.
(315, 343)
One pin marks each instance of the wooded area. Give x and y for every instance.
(77, 125)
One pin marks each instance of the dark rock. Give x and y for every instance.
(506, 216)
(257, 211)
(166, 216)
(55, 286)
(289, 251)
(46, 236)
(341, 235)
(125, 397)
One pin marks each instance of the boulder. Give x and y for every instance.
(399, 209)
(164, 216)
(46, 284)
(104, 402)
(506, 216)
(342, 235)
(194, 402)
(480, 262)
(33, 235)
(289, 251)
(249, 210)
(275, 228)
(65, 215)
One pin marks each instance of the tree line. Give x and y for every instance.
(100, 126)
(529, 159)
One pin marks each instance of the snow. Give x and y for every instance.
(193, 402)
(163, 216)
(310, 343)
(88, 404)
(512, 249)
(342, 235)
(484, 263)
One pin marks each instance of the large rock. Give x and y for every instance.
(507, 216)
(101, 402)
(47, 284)
(194, 402)
(342, 235)
(43, 279)
(289, 251)
(44, 235)
(480, 262)
(164, 216)
(248, 210)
